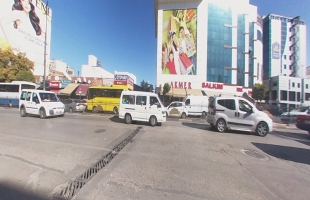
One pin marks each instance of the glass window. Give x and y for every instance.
(23, 96)
(48, 97)
(307, 86)
(154, 101)
(230, 104)
(284, 66)
(284, 57)
(26, 86)
(35, 98)
(28, 96)
(298, 85)
(187, 102)
(141, 100)
(293, 84)
(128, 99)
(244, 106)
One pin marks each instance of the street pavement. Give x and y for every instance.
(182, 159)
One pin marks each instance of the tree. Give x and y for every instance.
(11, 65)
(166, 89)
(259, 92)
(25, 76)
(144, 85)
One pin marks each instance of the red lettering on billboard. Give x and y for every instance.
(185, 83)
(217, 86)
(239, 89)
(181, 85)
(54, 84)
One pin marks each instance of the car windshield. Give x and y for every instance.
(300, 109)
(48, 97)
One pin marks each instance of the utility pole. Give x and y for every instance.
(45, 40)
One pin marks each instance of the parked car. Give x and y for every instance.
(75, 105)
(290, 117)
(303, 122)
(237, 113)
(177, 109)
(39, 102)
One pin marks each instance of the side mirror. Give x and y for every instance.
(158, 106)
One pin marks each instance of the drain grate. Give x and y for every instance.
(74, 186)
(254, 154)
(100, 131)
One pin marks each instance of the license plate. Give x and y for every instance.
(307, 122)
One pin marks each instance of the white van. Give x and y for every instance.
(197, 105)
(141, 106)
(40, 102)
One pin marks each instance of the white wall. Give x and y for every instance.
(303, 51)
(275, 37)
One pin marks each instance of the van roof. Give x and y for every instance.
(32, 90)
(139, 92)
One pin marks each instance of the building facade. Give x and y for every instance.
(285, 52)
(288, 92)
(215, 46)
(60, 66)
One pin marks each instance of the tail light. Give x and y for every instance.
(214, 111)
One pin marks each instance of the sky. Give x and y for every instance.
(121, 33)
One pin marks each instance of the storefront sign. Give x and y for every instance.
(275, 50)
(65, 83)
(55, 84)
(250, 93)
(217, 86)
(122, 80)
(181, 85)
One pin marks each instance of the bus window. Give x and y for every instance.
(26, 86)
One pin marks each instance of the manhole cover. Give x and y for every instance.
(254, 154)
(100, 131)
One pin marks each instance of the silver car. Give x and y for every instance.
(290, 117)
(75, 105)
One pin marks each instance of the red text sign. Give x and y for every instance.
(181, 85)
(217, 86)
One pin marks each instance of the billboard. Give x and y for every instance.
(275, 50)
(23, 27)
(179, 41)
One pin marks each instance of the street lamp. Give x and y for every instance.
(45, 40)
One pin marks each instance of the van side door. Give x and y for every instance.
(35, 103)
(229, 111)
(154, 108)
(246, 117)
(140, 108)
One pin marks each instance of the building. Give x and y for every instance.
(288, 92)
(94, 69)
(223, 42)
(308, 72)
(284, 44)
(60, 66)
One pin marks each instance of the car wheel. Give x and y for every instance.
(221, 125)
(204, 114)
(153, 121)
(183, 116)
(128, 119)
(23, 112)
(70, 110)
(262, 129)
(42, 113)
(115, 110)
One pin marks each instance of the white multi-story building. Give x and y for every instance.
(94, 69)
(60, 66)
(308, 72)
(288, 92)
(285, 51)
(222, 41)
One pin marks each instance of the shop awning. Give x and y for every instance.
(178, 92)
(196, 92)
(69, 89)
(217, 93)
(82, 90)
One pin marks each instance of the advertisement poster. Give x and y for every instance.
(275, 50)
(179, 42)
(22, 28)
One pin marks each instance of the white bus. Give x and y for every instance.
(10, 92)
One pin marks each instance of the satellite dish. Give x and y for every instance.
(89, 81)
(56, 78)
(84, 79)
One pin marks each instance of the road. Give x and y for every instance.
(182, 159)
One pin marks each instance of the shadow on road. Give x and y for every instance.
(197, 126)
(10, 192)
(293, 154)
(292, 135)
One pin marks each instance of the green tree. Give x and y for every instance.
(259, 92)
(144, 85)
(11, 65)
(166, 89)
(25, 76)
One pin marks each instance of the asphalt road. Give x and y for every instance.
(182, 159)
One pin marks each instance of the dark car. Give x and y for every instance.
(75, 105)
(303, 122)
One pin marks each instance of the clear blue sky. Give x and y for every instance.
(121, 33)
